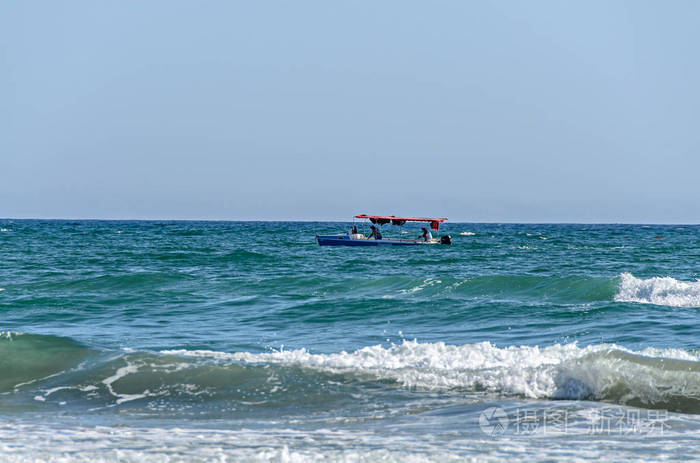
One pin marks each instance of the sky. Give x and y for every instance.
(480, 111)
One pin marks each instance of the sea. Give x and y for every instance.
(140, 341)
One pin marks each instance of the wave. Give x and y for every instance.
(54, 370)
(50, 371)
(28, 358)
(653, 378)
(570, 289)
(242, 255)
(120, 281)
(567, 289)
(659, 291)
(529, 288)
(525, 288)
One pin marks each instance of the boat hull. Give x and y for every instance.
(345, 240)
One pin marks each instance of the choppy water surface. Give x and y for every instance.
(137, 341)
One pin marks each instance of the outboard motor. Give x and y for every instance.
(445, 239)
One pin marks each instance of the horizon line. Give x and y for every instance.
(495, 222)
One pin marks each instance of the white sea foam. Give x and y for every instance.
(659, 291)
(121, 373)
(467, 233)
(70, 443)
(559, 371)
(425, 284)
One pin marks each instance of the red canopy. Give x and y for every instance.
(382, 219)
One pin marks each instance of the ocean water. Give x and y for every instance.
(246, 341)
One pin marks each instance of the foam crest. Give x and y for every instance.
(651, 377)
(659, 291)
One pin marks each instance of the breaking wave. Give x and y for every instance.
(659, 291)
(653, 378)
(49, 371)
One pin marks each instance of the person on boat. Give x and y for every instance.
(354, 234)
(427, 236)
(375, 233)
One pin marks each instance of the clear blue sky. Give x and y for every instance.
(524, 111)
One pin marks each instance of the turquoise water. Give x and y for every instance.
(137, 341)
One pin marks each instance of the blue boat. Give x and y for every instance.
(349, 240)
(358, 239)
